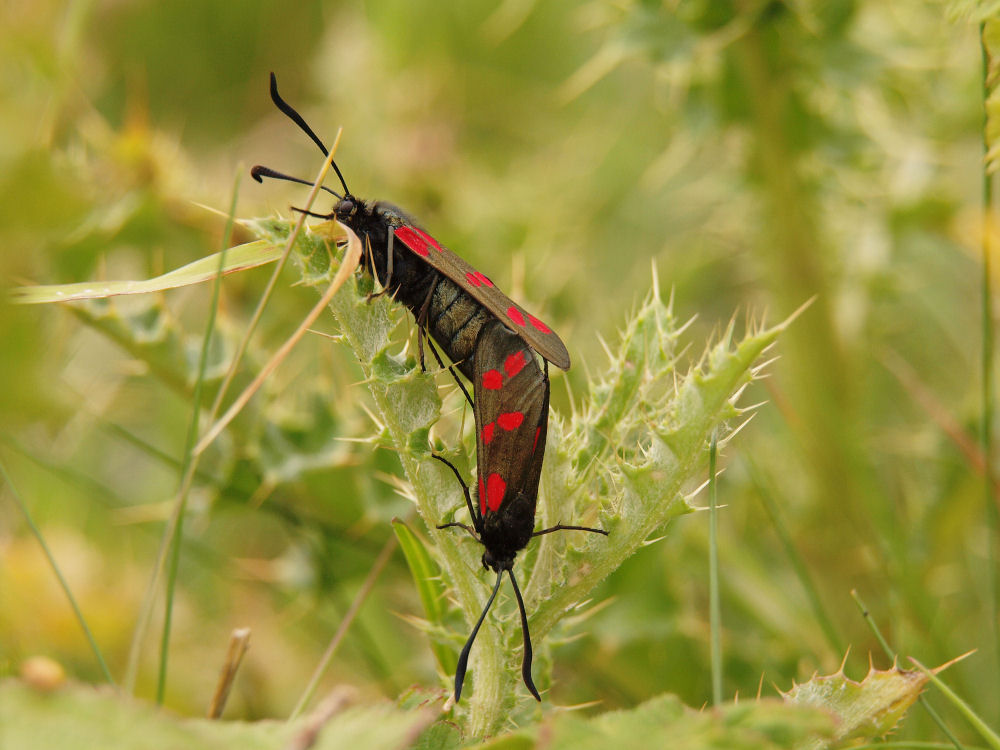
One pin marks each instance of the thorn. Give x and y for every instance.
(372, 416)
(373, 440)
(651, 542)
(725, 441)
(691, 495)
(739, 392)
(798, 311)
(947, 664)
(588, 376)
(750, 407)
(756, 369)
(605, 347)
(572, 401)
(846, 654)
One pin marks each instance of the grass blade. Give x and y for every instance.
(190, 463)
(59, 576)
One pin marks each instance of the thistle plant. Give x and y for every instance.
(623, 460)
(628, 457)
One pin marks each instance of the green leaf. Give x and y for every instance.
(665, 722)
(427, 577)
(863, 710)
(155, 336)
(639, 463)
(81, 717)
(239, 258)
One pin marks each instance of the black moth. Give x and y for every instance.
(450, 300)
(491, 340)
(512, 417)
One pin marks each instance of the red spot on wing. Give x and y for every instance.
(492, 380)
(510, 420)
(514, 364)
(484, 279)
(514, 314)
(430, 240)
(539, 324)
(473, 278)
(488, 433)
(538, 432)
(413, 240)
(495, 489)
(482, 496)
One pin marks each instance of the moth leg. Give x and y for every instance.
(465, 489)
(450, 368)
(457, 525)
(388, 262)
(422, 336)
(371, 262)
(422, 316)
(560, 527)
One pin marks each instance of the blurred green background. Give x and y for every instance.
(759, 153)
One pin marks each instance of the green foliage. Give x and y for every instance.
(633, 446)
(762, 153)
(427, 578)
(666, 722)
(80, 717)
(239, 258)
(863, 710)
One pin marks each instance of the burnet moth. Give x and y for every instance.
(450, 300)
(512, 416)
(492, 341)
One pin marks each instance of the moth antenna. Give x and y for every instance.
(463, 658)
(310, 213)
(294, 116)
(526, 661)
(259, 172)
(298, 120)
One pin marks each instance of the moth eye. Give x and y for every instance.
(345, 208)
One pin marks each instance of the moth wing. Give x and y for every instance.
(539, 336)
(512, 416)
